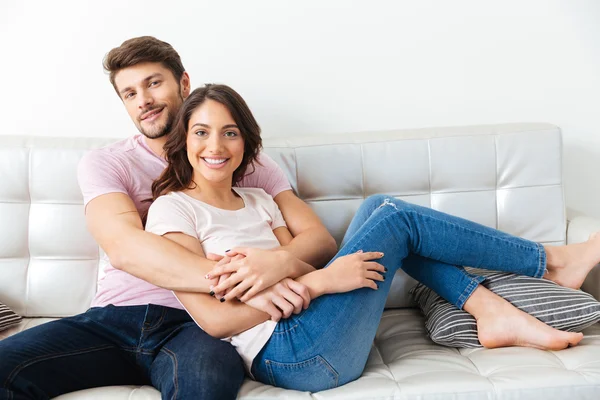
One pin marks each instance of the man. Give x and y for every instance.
(136, 331)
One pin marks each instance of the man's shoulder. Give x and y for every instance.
(121, 149)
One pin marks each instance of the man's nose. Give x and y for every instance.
(144, 100)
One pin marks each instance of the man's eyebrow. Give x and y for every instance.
(148, 78)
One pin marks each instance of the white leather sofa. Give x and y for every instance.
(505, 176)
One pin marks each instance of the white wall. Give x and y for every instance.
(323, 66)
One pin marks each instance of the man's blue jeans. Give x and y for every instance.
(134, 345)
(328, 344)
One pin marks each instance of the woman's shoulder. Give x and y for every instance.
(253, 193)
(171, 200)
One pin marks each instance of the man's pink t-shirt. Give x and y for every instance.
(130, 167)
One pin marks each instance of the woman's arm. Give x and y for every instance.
(346, 273)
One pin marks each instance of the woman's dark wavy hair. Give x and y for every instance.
(179, 172)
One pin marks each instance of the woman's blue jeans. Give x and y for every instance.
(328, 344)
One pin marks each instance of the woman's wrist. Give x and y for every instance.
(317, 283)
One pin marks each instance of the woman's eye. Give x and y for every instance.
(200, 133)
(231, 134)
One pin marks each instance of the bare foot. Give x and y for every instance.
(569, 265)
(516, 328)
(500, 324)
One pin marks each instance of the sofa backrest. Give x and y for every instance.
(505, 176)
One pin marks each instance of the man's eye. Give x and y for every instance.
(154, 83)
(129, 95)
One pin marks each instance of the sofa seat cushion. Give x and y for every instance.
(25, 323)
(405, 364)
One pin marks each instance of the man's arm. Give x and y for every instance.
(115, 224)
(312, 243)
(230, 318)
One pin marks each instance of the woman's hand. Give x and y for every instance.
(354, 271)
(252, 271)
(282, 299)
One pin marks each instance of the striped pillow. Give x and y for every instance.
(7, 317)
(559, 307)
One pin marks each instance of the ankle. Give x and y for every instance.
(554, 258)
(484, 303)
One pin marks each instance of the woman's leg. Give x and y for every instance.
(451, 282)
(328, 344)
(500, 324)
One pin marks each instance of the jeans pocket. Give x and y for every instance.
(312, 375)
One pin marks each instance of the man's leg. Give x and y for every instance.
(70, 354)
(194, 365)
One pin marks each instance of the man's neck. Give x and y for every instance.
(156, 145)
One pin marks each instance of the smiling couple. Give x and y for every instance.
(225, 225)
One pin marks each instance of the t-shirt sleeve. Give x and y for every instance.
(272, 209)
(170, 214)
(277, 217)
(98, 173)
(267, 175)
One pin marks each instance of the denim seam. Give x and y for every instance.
(288, 329)
(22, 366)
(157, 323)
(173, 357)
(542, 267)
(475, 281)
(536, 246)
(319, 358)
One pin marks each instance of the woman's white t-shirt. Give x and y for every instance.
(219, 230)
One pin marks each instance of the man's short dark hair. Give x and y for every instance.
(140, 50)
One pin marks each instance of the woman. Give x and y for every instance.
(326, 345)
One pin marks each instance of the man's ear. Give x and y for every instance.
(184, 84)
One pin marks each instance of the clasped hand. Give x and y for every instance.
(234, 274)
(244, 272)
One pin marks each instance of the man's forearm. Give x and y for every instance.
(218, 319)
(160, 261)
(314, 246)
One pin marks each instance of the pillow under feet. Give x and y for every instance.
(559, 307)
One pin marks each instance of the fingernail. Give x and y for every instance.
(212, 293)
(359, 251)
(227, 251)
(222, 299)
(385, 270)
(380, 254)
(207, 276)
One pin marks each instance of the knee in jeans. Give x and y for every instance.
(373, 202)
(377, 201)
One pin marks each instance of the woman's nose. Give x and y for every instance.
(215, 144)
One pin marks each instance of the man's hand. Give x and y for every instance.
(282, 299)
(252, 271)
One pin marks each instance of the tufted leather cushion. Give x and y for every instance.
(492, 174)
(405, 365)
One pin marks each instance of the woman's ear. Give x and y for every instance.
(184, 84)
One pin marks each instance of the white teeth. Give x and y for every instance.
(215, 160)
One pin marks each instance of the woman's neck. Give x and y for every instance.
(218, 195)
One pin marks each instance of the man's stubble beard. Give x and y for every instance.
(162, 131)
